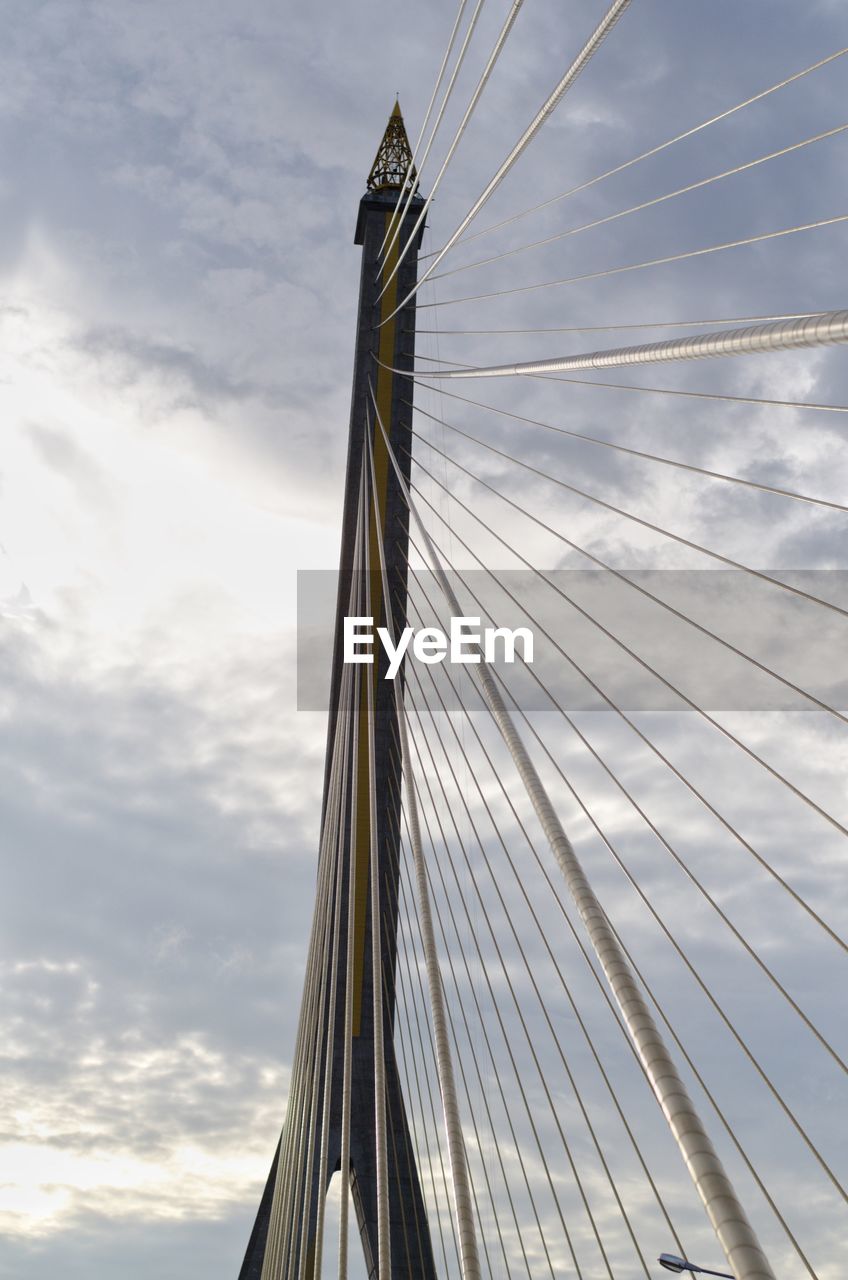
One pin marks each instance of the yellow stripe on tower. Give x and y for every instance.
(383, 395)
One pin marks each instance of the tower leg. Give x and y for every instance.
(411, 1246)
(251, 1267)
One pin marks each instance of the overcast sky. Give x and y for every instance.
(179, 189)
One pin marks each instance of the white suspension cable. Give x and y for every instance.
(749, 751)
(380, 1133)
(406, 197)
(645, 155)
(752, 952)
(636, 266)
(534, 916)
(690, 395)
(606, 328)
(444, 806)
(778, 1097)
(729, 1129)
(639, 208)
(555, 762)
(347, 1067)
(469, 110)
(323, 1171)
(684, 542)
(567, 990)
(290, 1165)
(469, 1258)
(408, 894)
(783, 335)
(723, 1120)
(406, 997)
(735, 1233)
(427, 114)
(594, 42)
(460, 1003)
(664, 391)
(621, 448)
(707, 395)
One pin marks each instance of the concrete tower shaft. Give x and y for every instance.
(383, 363)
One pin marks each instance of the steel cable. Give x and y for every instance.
(808, 800)
(408, 889)
(460, 1003)
(469, 111)
(676, 537)
(606, 328)
(645, 204)
(645, 155)
(405, 197)
(759, 858)
(670, 936)
(631, 266)
(722, 1205)
(534, 984)
(827, 329)
(597, 688)
(410, 995)
(730, 1130)
(469, 1260)
(522, 890)
(425, 775)
(347, 1064)
(621, 448)
(818, 703)
(427, 114)
(605, 994)
(701, 395)
(594, 42)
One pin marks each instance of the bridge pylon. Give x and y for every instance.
(338, 1004)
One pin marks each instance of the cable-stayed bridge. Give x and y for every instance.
(574, 991)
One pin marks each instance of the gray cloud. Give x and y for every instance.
(179, 195)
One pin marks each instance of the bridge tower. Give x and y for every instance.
(284, 1239)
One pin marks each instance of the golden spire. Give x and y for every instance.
(393, 159)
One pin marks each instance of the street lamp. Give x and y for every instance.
(671, 1263)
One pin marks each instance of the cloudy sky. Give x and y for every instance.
(178, 190)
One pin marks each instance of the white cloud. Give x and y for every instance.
(179, 284)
